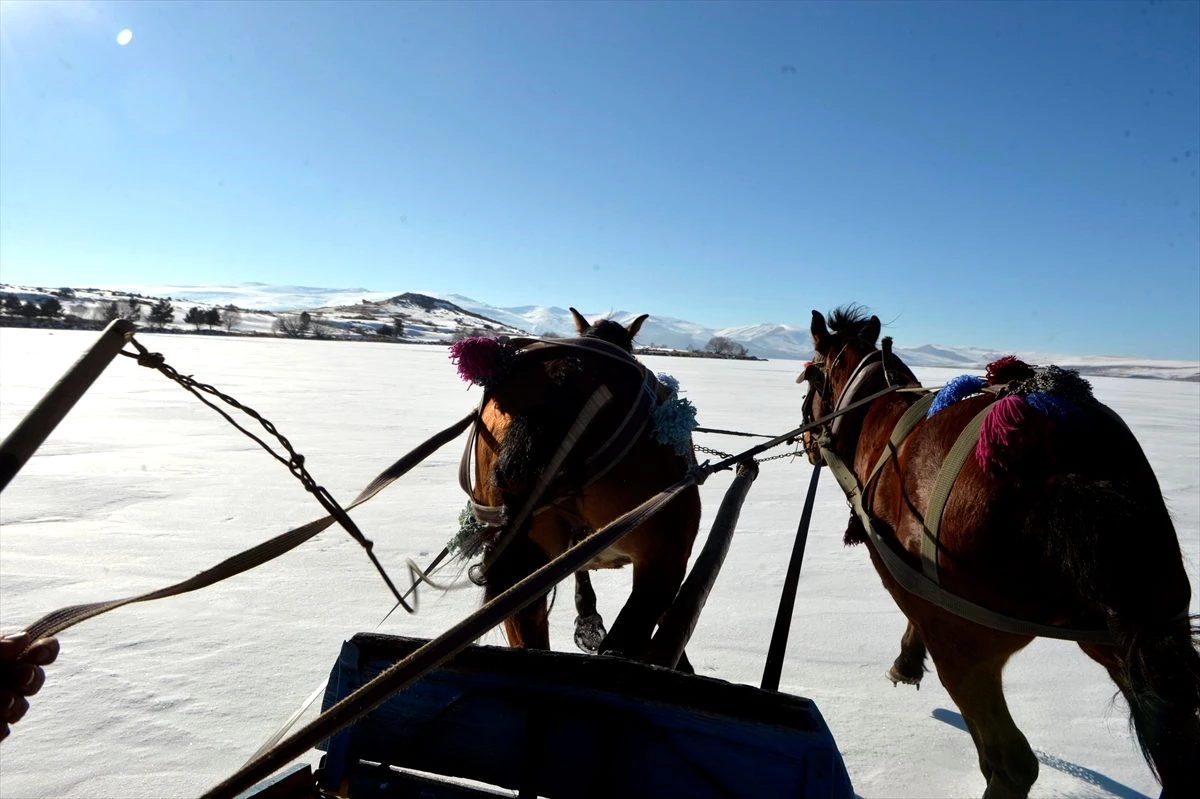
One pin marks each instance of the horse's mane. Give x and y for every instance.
(850, 320)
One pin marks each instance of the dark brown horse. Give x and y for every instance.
(533, 417)
(1054, 519)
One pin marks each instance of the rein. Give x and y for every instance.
(64, 618)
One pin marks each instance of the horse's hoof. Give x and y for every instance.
(589, 632)
(896, 676)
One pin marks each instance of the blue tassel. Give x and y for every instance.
(674, 422)
(960, 387)
(671, 383)
(1058, 408)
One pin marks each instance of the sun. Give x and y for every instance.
(125, 37)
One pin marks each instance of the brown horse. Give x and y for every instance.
(1061, 524)
(532, 417)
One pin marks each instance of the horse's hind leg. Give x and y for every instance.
(909, 666)
(969, 661)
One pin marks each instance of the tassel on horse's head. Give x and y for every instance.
(482, 360)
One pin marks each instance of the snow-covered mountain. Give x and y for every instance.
(438, 317)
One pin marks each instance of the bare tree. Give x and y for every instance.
(465, 332)
(291, 325)
(129, 309)
(725, 348)
(232, 316)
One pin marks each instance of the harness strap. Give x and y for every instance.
(490, 515)
(867, 369)
(908, 422)
(618, 445)
(947, 475)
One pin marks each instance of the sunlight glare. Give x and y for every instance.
(125, 37)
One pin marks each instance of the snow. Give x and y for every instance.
(141, 486)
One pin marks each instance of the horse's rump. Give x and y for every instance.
(1048, 512)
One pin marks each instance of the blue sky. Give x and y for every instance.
(1010, 175)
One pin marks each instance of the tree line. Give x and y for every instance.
(157, 314)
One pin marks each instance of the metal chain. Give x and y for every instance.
(722, 455)
(294, 462)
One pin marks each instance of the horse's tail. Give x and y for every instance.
(1117, 545)
(1162, 669)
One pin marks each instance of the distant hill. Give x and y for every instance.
(432, 317)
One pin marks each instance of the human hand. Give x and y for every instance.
(21, 674)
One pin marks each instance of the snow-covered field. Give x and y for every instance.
(142, 485)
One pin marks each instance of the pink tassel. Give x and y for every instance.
(1011, 432)
(482, 359)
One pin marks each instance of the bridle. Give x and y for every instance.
(816, 373)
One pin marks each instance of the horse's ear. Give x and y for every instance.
(819, 331)
(636, 325)
(581, 324)
(871, 330)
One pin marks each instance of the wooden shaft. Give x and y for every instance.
(432, 654)
(680, 620)
(787, 600)
(24, 440)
